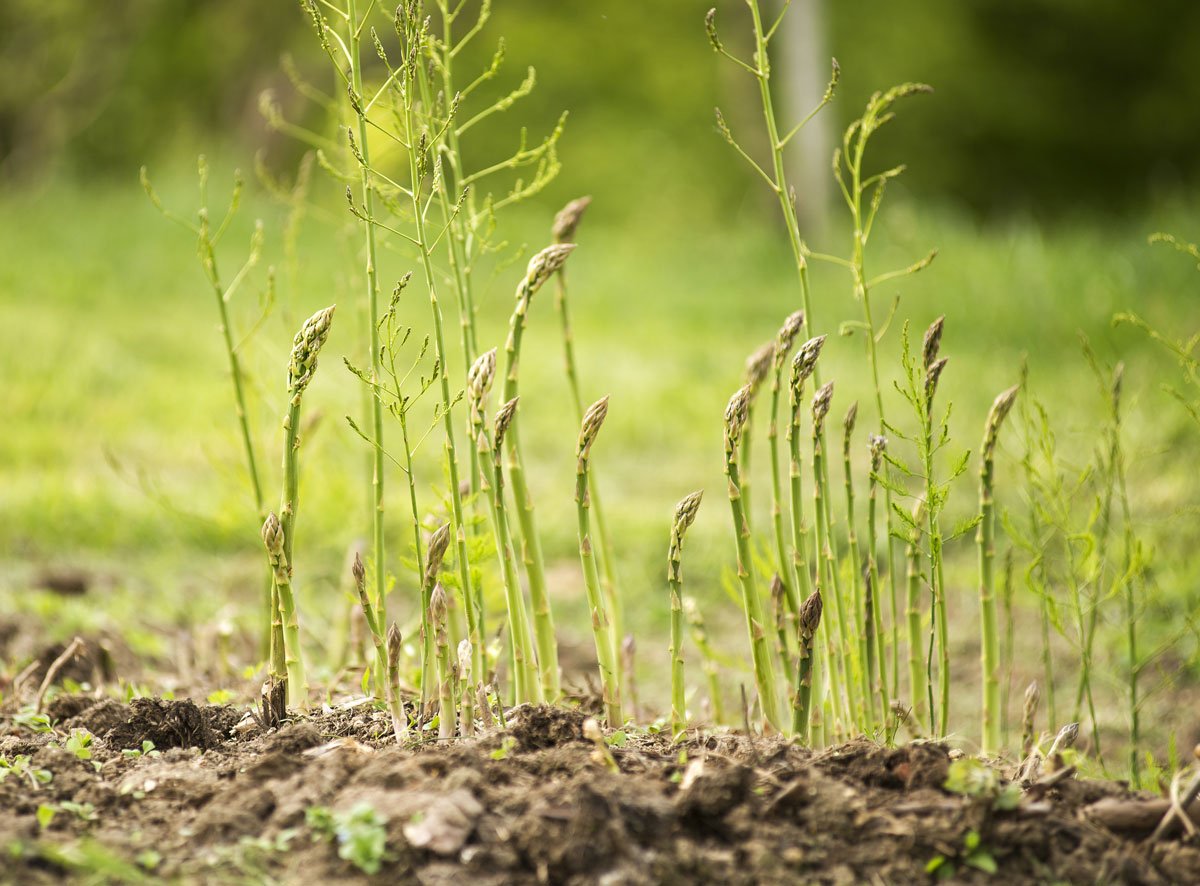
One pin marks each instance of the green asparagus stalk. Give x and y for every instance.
(565, 224)
(275, 689)
(878, 445)
(465, 655)
(395, 706)
(593, 419)
(303, 364)
(1028, 716)
(810, 620)
(862, 621)
(758, 367)
(785, 339)
(526, 685)
(709, 663)
(916, 669)
(736, 416)
(541, 267)
(383, 668)
(985, 536)
(685, 513)
(803, 367)
(439, 603)
(435, 553)
(841, 672)
(779, 615)
(934, 366)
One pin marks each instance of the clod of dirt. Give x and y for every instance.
(709, 791)
(446, 823)
(909, 767)
(97, 717)
(173, 724)
(541, 726)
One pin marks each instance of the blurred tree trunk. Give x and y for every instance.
(802, 58)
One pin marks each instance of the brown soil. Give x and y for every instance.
(224, 804)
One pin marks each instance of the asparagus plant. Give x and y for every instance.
(810, 620)
(388, 673)
(917, 686)
(736, 415)
(566, 222)
(758, 367)
(541, 267)
(685, 513)
(861, 659)
(985, 536)
(803, 366)
(785, 339)
(593, 419)
(708, 656)
(875, 632)
(275, 690)
(281, 538)
(465, 689)
(439, 602)
(526, 685)
(435, 553)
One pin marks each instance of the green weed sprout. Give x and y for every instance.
(685, 513)
(593, 419)
(736, 414)
(540, 269)
(985, 536)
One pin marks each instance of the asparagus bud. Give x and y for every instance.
(272, 535)
(785, 339)
(1000, 409)
(568, 218)
(685, 513)
(542, 266)
(805, 362)
(305, 347)
(504, 417)
(438, 543)
(590, 427)
(932, 342)
(820, 407)
(736, 414)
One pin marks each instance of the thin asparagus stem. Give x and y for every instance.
(916, 667)
(541, 267)
(875, 643)
(758, 368)
(685, 513)
(736, 415)
(985, 536)
(810, 620)
(467, 720)
(439, 602)
(436, 552)
(861, 659)
(526, 684)
(593, 419)
(785, 339)
(383, 668)
(709, 663)
(566, 222)
(395, 706)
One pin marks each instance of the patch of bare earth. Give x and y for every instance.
(534, 805)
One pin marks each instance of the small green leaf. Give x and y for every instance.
(45, 815)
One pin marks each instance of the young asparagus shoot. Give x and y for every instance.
(465, 689)
(1028, 718)
(862, 658)
(810, 620)
(383, 649)
(605, 652)
(526, 684)
(803, 366)
(685, 513)
(785, 340)
(736, 415)
(434, 554)
(758, 367)
(985, 536)
(541, 267)
(395, 706)
(709, 662)
(439, 603)
(281, 538)
(274, 691)
(875, 637)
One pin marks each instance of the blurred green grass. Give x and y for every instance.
(120, 447)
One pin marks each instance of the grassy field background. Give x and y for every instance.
(120, 453)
